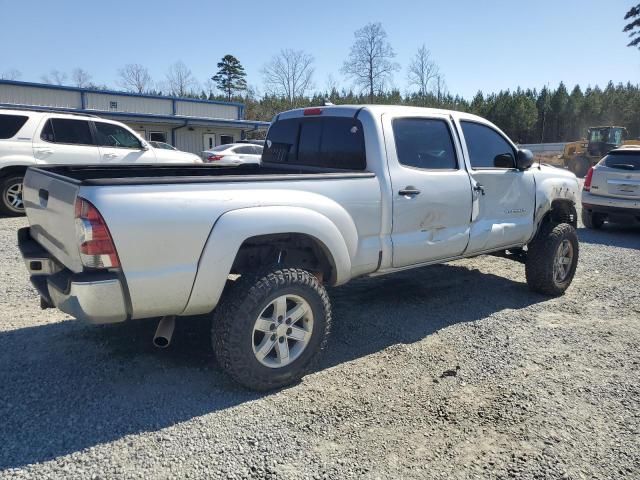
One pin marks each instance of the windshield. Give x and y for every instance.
(162, 145)
(616, 136)
(598, 135)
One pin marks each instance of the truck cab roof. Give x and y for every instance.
(375, 110)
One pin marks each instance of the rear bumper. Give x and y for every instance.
(619, 210)
(95, 297)
(602, 202)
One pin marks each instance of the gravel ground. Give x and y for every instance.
(454, 371)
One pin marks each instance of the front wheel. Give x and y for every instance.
(269, 329)
(11, 195)
(552, 259)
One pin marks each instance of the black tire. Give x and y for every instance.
(592, 220)
(580, 166)
(541, 257)
(7, 186)
(233, 327)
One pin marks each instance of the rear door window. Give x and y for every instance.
(67, 131)
(11, 124)
(424, 143)
(331, 142)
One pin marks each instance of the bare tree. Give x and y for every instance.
(370, 62)
(440, 87)
(11, 74)
(180, 80)
(289, 74)
(135, 78)
(332, 84)
(55, 77)
(80, 78)
(422, 70)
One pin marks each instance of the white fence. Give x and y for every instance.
(544, 147)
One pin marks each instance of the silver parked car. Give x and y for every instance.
(233, 154)
(611, 189)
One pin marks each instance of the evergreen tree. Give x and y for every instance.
(633, 27)
(558, 113)
(230, 78)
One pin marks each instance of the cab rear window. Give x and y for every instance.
(623, 161)
(11, 124)
(331, 142)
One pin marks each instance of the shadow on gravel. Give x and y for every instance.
(613, 235)
(67, 386)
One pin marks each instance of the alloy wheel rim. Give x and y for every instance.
(13, 197)
(562, 261)
(282, 331)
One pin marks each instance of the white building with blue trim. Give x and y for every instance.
(191, 125)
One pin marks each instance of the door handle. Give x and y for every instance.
(409, 191)
(44, 150)
(478, 188)
(110, 155)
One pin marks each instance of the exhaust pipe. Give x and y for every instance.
(164, 332)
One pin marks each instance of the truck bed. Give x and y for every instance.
(95, 175)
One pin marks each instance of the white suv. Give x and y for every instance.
(43, 137)
(611, 189)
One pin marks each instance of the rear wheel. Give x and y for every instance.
(269, 329)
(579, 166)
(11, 195)
(592, 220)
(552, 259)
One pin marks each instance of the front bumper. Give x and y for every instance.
(95, 297)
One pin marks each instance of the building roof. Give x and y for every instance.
(114, 92)
(174, 116)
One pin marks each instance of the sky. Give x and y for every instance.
(478, 45)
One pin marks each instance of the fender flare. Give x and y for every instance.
(233, 228)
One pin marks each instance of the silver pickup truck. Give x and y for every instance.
(342, 192)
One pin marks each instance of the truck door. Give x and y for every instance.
(503, 197)
(431, 189)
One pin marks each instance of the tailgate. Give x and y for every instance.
(49, 201)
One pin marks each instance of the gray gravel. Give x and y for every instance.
(452, 371)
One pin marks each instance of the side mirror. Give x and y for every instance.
(524, 159)
(144, 146)
(504, 160)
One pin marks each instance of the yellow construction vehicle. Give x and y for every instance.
(579, 156)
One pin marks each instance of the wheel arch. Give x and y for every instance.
(562, 210)
(241, 240)
(289, 248)
(9, 170)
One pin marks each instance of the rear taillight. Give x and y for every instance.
(587, 180)
(96, 245)
(214, 158)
